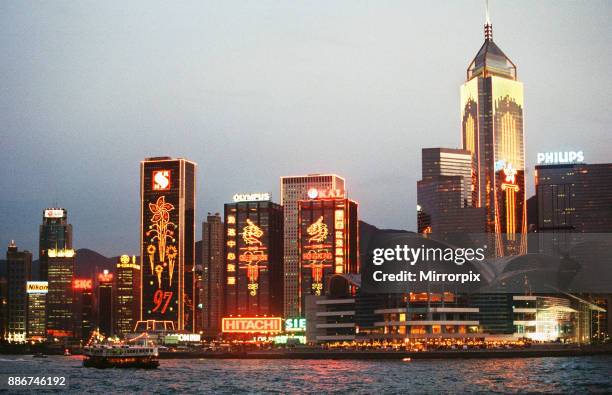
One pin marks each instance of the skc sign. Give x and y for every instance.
(251, 325)
(559, 158)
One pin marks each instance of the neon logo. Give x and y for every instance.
(252, 325)
(161, 180)
(317, 231)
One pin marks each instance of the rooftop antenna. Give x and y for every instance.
(488, 27)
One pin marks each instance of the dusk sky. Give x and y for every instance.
(254, 90)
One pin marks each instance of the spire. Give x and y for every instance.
(488, 27)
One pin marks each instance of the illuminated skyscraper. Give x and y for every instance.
(213, 269)
(37, 298)
(83, 307)
(167, 191)
(294, 189)
(127, 292)
(55, 234)
(328, 244)
(253, 258)
(19, 265)
(492, 130)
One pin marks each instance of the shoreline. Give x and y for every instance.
(394, 355)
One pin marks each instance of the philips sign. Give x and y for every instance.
(558, 158)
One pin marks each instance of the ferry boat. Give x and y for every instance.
(121, 356)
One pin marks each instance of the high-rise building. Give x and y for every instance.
(83, 307)
(104, 303)
(294, 189)
(19, 266)
(328, 241)
(37, 297)
(60, 274)
(253, 257)
(444, 194)
(57, 267)
(167, 191)
(213, 269)
(574, 198)
(127, 291)
(492, 131)
(55, 234)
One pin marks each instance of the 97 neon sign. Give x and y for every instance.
(162, 300)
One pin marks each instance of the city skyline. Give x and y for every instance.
(53, 127)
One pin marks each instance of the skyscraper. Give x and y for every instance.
(104, 303)
(55, 234)
(213, 269)
(37, 298)
(254, 257)
(167, 191)
(492, 131)
(127, 291)
(83, 307)
(328, 244)
(444, 194)
(294, 189)
(19, 266)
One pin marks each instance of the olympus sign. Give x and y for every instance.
(252, 197)
(557, 158)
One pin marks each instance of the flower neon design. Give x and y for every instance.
(251, 233)
(161, 227)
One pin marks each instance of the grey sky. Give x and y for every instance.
(253, 90)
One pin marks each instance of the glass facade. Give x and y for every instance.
(213, 275)
(492, 130)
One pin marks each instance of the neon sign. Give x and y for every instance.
(317, 253)
(37, 287)
(317, 231)
(295, 325)
(556, 158)
(82, 284)
(251, 325)
(314, 193)
(252, 197)
(54, 213)
(105, 277)
(161, 180)
(254, 256)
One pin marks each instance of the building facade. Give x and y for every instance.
(127, 292)
(19, 266)
(328, 242)
(253, 258)
(55, 234)
(492, 131)
(104, 303)
(167, 190)
(444, 194)
(83, 307)
(60, 309)
(213, 275)
(37, 297)
(294, 189)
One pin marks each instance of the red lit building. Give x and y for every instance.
(104, 303)
(83, 307)
(328, 240)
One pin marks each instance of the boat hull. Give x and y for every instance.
(120, 362)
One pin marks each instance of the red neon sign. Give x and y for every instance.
(82, 284)
(251, 325)
(105, 277)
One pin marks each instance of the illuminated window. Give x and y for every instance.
(231, 280)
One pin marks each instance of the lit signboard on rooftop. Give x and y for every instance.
(54, 213)
(559, 158)
(252, 197)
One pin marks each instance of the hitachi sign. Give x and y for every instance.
(251, 325)
(558, 158)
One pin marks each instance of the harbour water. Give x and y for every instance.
(592, 374)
